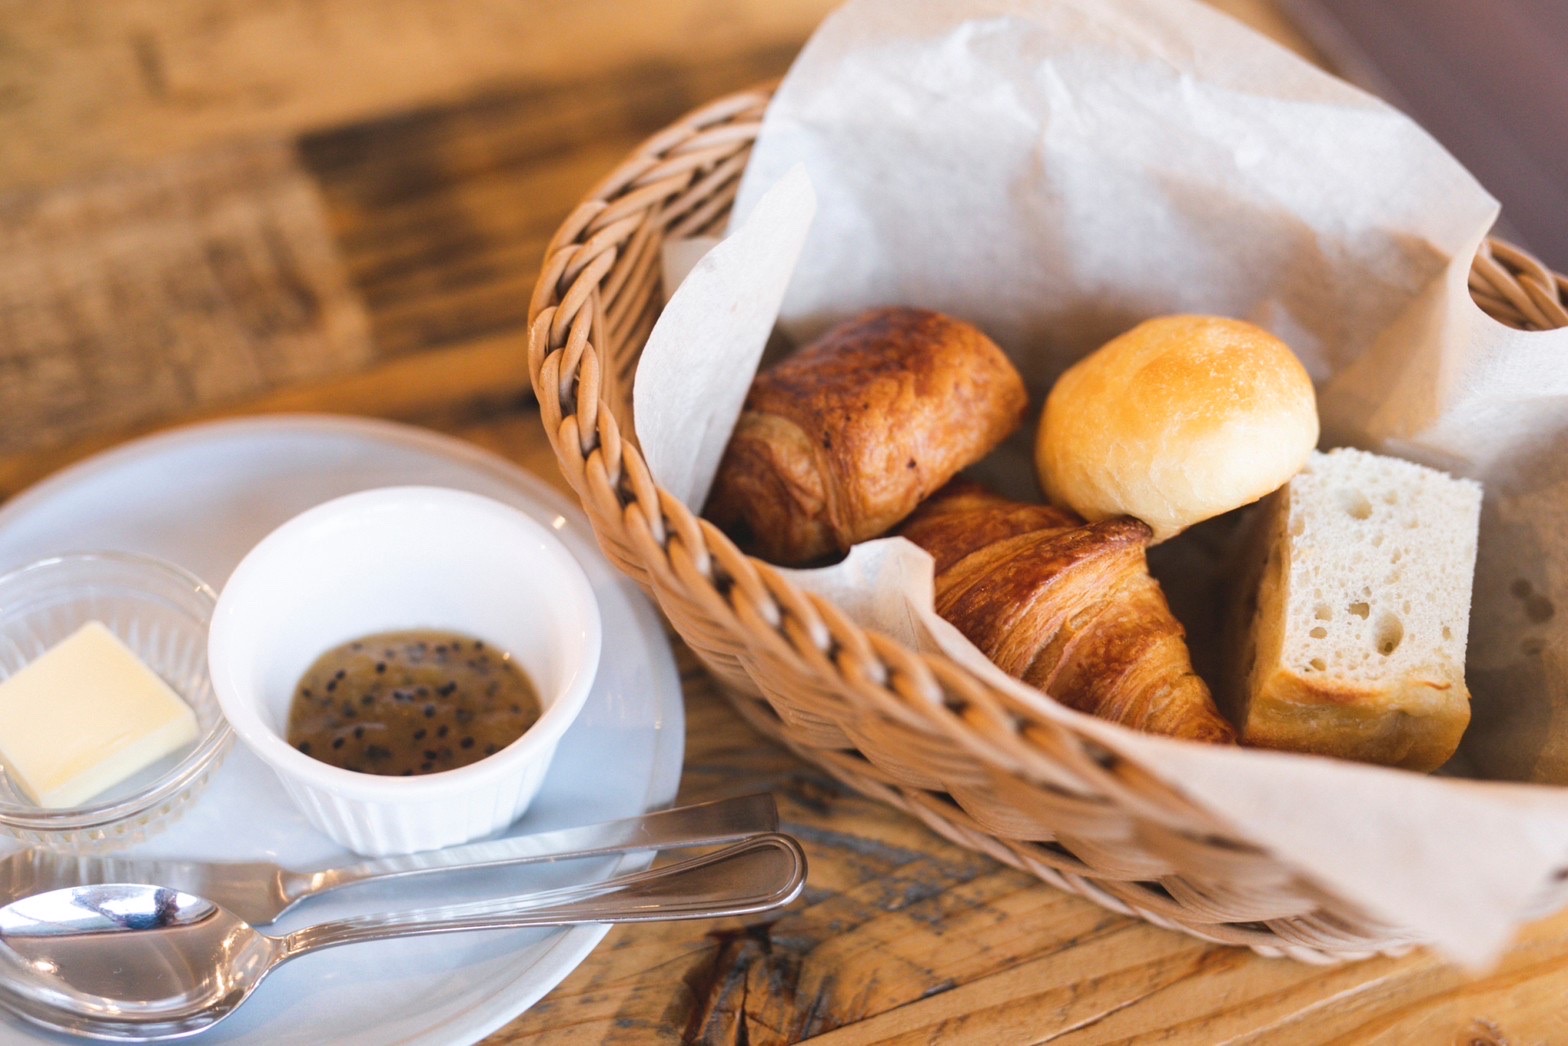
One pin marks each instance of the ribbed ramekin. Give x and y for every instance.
(392, 559)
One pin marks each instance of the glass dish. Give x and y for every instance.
(161, 612)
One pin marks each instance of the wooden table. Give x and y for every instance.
(210, 208)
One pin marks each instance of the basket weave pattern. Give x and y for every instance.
(913, 730)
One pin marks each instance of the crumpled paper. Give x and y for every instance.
(1056, 171)
(714, 328)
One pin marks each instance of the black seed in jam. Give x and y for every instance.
(397, 679)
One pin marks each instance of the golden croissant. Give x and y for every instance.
(1069, 607)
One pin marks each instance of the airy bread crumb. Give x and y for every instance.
(1357, 643)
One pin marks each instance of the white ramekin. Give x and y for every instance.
(401, 558)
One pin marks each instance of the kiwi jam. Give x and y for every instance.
(412, 702)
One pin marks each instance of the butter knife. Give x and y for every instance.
(261, 891)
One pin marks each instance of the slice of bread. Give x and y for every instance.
(1355, 616)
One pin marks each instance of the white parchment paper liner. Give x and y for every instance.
(1056, 171)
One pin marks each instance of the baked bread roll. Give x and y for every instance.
(840, 441)
(1068, 607)
(1180, 419)
(1352, 640)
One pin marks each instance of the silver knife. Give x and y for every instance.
(260, 891)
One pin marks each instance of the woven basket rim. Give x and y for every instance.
(682, 559)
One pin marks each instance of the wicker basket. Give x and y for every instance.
(913, 730)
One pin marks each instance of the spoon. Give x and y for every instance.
(141, 963)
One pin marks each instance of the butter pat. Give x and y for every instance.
(85, 716)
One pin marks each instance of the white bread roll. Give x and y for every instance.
(1180, 419)
(1353, 623)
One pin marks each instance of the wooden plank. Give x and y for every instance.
(1139, 983)
(86, 85)
(439, 389)
(443, 214)
(144, 293)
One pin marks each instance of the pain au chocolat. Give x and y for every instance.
(840, 441)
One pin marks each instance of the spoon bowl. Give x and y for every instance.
(140, 962)
(129, 958)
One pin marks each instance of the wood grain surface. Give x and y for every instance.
(139, 293)
(210, 207)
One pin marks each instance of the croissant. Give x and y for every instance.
(1069, 607)
(841, 441)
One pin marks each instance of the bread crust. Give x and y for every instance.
(1415, 724)
(840, 441)
(1178, 420)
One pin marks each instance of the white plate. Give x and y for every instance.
(200, 497)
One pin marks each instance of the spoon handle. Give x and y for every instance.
(754, 875)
